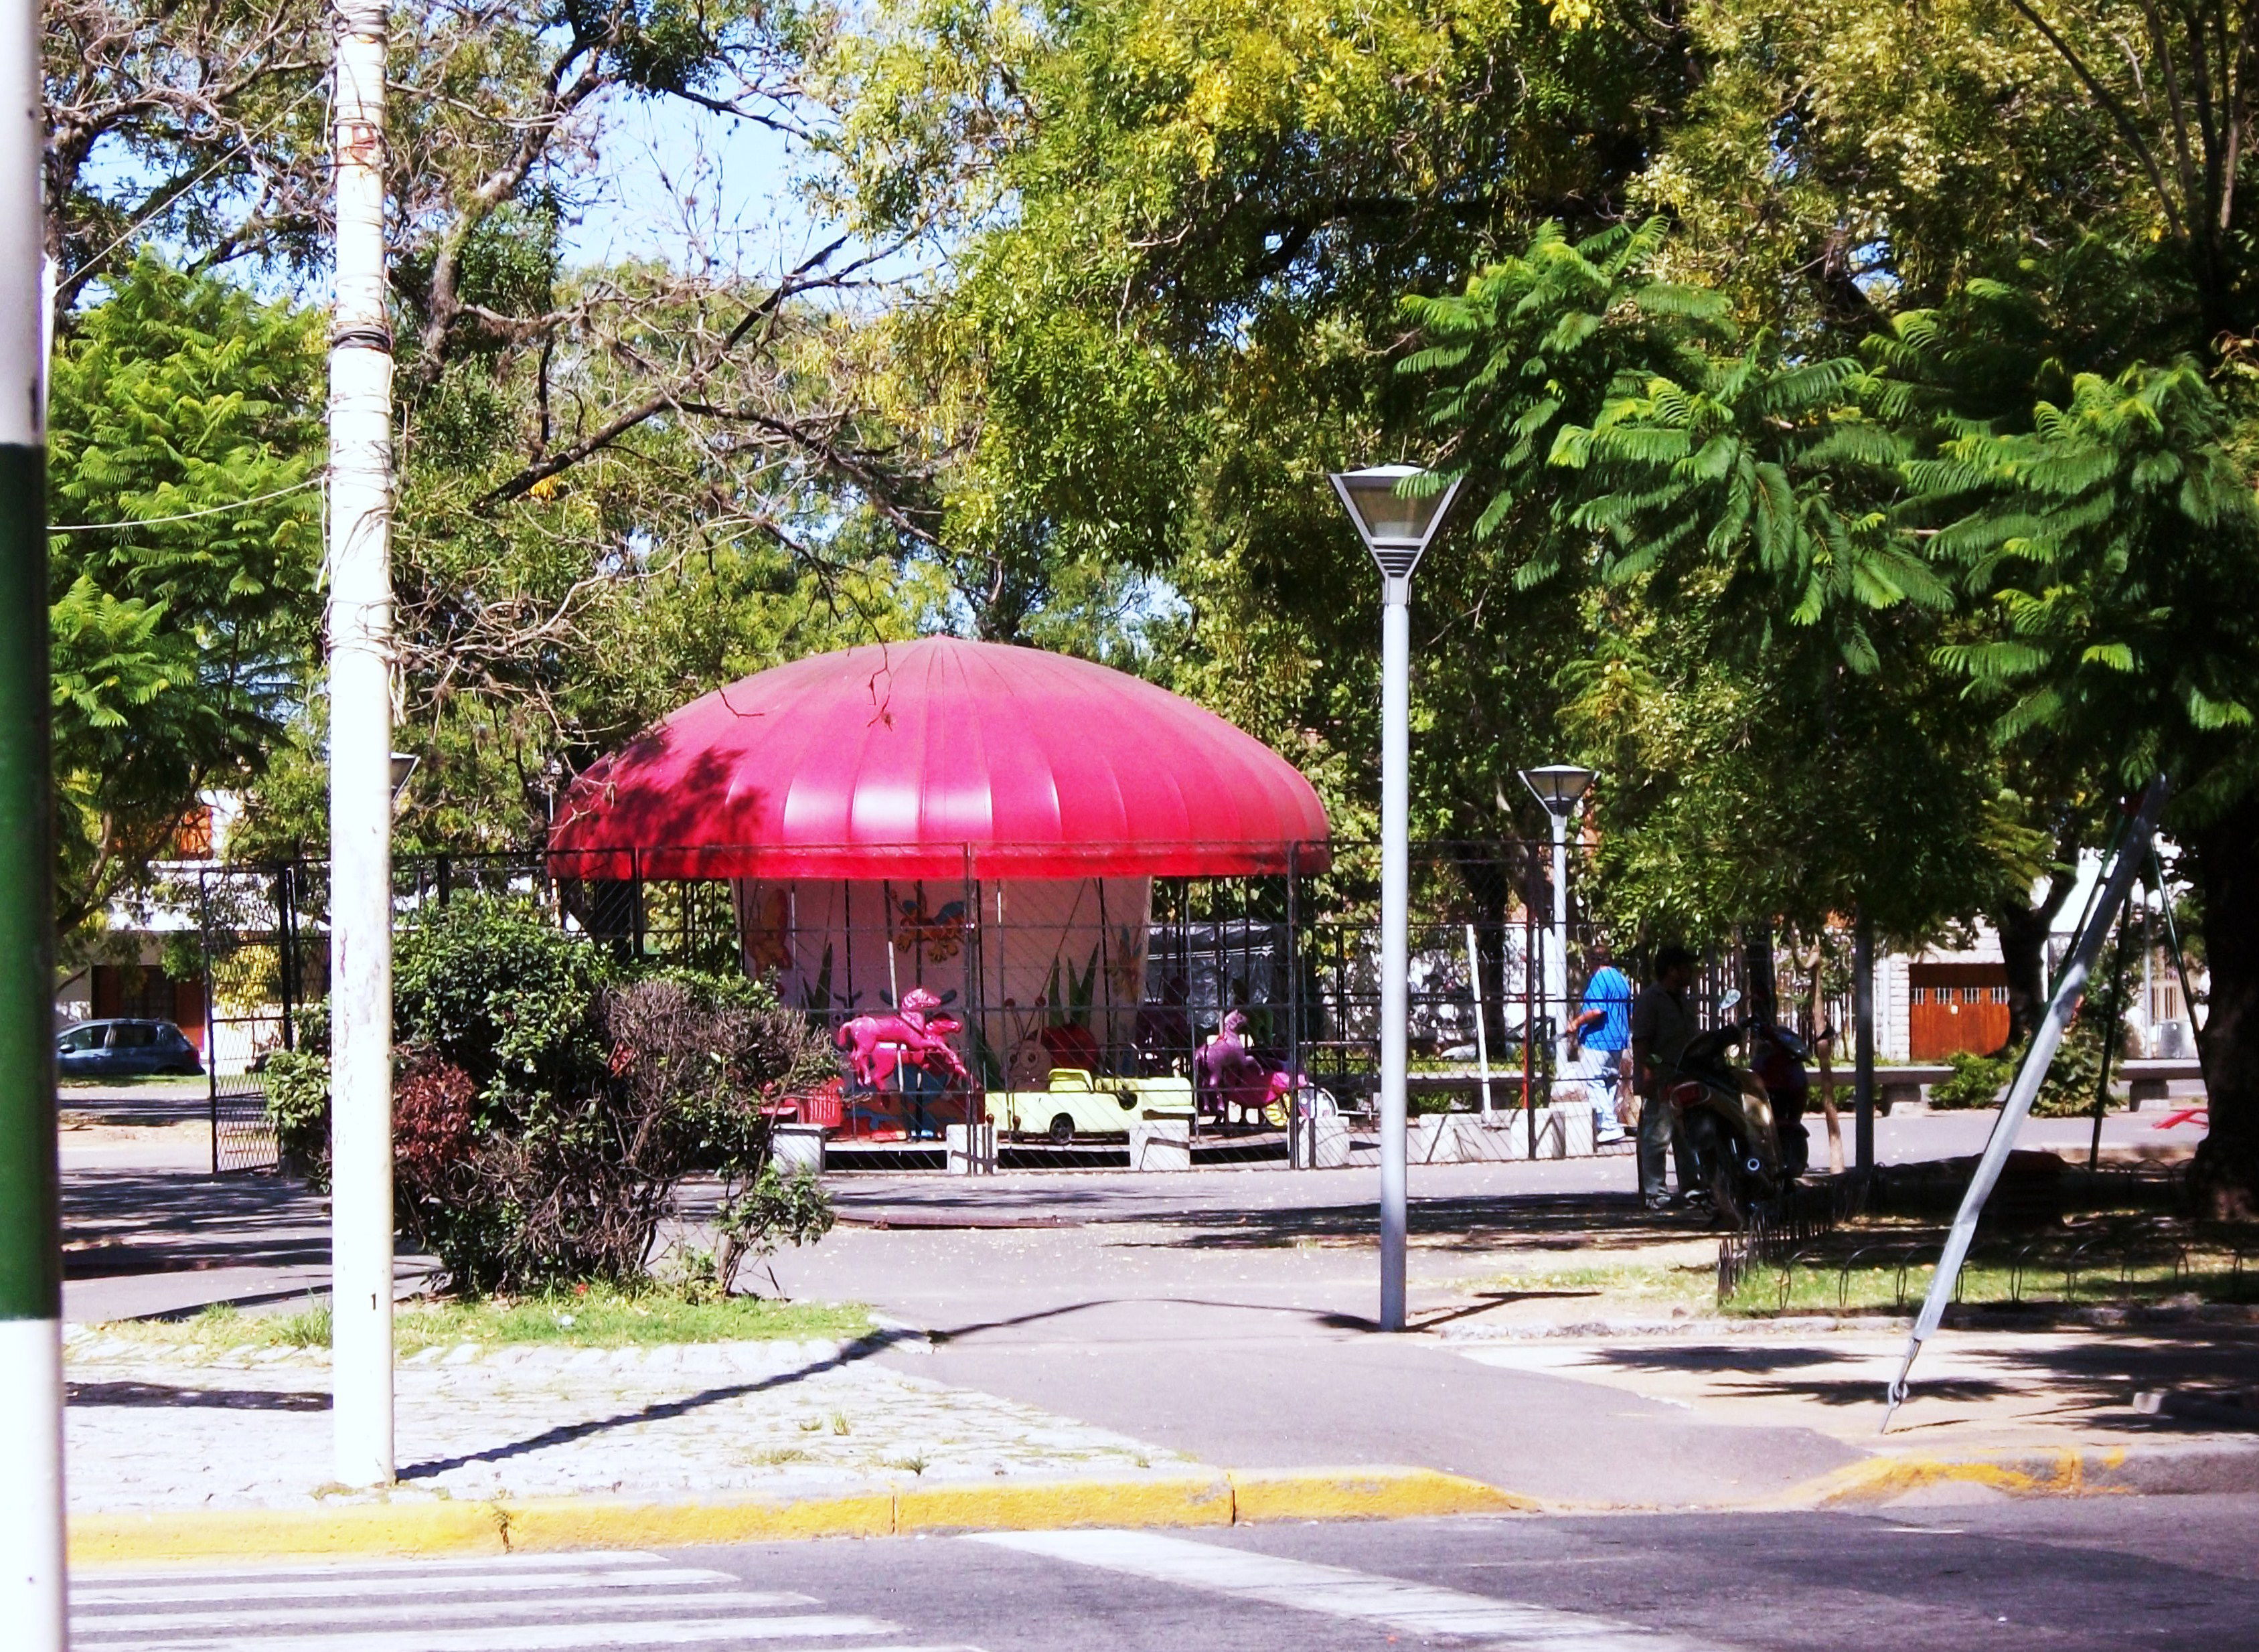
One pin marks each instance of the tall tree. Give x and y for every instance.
(183, 454)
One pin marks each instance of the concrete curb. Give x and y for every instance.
(557, 1524)
(2067, 1471)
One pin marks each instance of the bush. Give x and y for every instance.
(546, 1109)
(298, 1103)
(2067, 1092)
(494, 987)
(1977, 1080)
(771, 1212)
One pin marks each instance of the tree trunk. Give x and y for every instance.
(1762, 990)
(1823, 1044)
(2224, 1178)
(2023, 930)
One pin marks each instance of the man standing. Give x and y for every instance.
(1662, 1025)
(1603, 1027)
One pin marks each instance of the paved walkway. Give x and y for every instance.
(152, 1428)
(1114, 1324)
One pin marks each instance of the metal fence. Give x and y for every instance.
(1126, 978)
(266, 958)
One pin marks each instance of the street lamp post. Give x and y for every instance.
(1558, 786)
(1396, 525)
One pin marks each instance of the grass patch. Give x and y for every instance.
(1825, 1287)
(602, 1316)
(1641, 1282)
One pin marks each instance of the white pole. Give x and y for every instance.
(1557, 966)
(1395, 879)
(1482, 1033)
(361, 766)
(32, 1585)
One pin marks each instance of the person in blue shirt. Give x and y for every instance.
(1603, 1029)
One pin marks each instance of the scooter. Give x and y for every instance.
(1725, 1121)
(1777, 1057)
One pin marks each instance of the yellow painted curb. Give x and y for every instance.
(1353, 1494)
(2061, 1473)
(411, 1528)
(564, 1523)
(1189, 1499)
(555, 1525)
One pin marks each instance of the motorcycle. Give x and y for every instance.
(1777, 1057)
(1725, 1121)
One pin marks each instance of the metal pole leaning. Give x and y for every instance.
(361, 766)
(2133, 847)
(31, 1582)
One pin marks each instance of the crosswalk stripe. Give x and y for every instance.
(334, 1567)
(1504, 1626)
(343, 1587)
(542, 1637)
(110, 1625)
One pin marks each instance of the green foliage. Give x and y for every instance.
(547, 1107)
(1713, 506)
(2114, 542)
(498, 989)
(1977, 1080)
(297, 1090)
(183, 439)
(771, 1211)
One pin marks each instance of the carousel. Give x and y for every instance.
(947, 850)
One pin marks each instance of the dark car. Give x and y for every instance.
(124, 1049)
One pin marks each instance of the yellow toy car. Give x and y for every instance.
(1076, 1104)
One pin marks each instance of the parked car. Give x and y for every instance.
(124, 1049)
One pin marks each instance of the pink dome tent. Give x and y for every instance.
(971, 817)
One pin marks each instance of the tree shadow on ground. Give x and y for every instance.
(1599, 1222)
(2093, 1378)
(120, 1222)
(565, 1434)
(170, 1396)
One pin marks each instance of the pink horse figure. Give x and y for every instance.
(875, 1043)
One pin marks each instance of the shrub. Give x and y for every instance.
(546, 1109)
(2067, 1092)
(494, 987)
(771, 1211)
(297, 1083)
(1977, 1080)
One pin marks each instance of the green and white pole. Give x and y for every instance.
(32, 1584)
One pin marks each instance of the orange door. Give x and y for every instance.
(1956, 1006)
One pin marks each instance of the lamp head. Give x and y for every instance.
(1557, 786)
(1395, 524)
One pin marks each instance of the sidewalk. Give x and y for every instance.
(2158, 1405)
(1120, 1332)
(154, 1429)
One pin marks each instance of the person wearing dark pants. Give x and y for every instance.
(1662, 1025)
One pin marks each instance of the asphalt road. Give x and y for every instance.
(2051, 1577)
